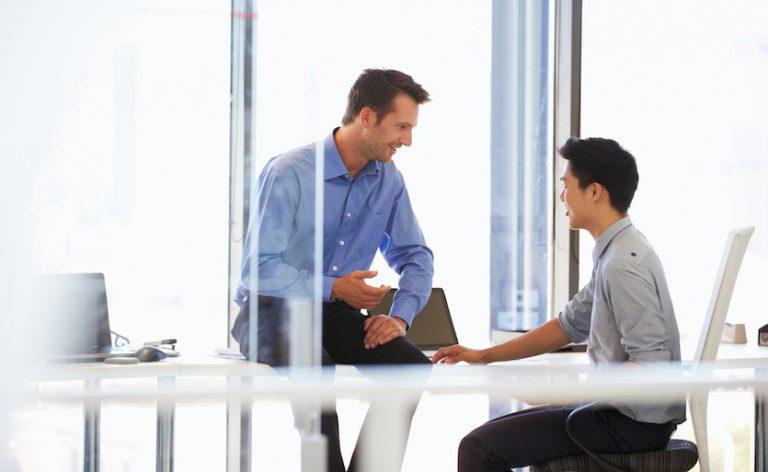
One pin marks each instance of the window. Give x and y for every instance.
(684, 87)
(302, 85)
(132, 124)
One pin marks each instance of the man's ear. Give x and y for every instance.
(597, 191)
(367, 117)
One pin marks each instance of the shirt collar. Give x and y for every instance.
(605, 239)
(334, 166)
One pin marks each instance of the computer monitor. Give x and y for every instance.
(75, 310)
(432, 328)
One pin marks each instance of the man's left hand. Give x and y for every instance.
(381, 329)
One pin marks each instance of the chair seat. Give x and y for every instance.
(679, 456)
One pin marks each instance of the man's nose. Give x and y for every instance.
(562, 195)
(407, 139)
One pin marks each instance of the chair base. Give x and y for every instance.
(679, 456)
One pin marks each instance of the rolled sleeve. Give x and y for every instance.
(632, 296)
(577, 314)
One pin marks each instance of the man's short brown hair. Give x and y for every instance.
(377, 89)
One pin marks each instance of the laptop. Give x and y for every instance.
(432, 328)
(75, 306)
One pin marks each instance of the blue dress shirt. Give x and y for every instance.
(370, 212)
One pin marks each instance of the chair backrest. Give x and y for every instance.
(721, 295)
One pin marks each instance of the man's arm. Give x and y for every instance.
(571, 325)
(545, 338)
(405, 250)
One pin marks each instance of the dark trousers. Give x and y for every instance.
(537, 435)
(342, 344)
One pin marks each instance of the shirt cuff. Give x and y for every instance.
(399, 310)
(327, 287)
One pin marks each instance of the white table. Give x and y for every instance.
(240, 374)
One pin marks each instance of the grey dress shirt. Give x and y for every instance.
(626, 312)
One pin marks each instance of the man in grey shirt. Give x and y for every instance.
(625, 312)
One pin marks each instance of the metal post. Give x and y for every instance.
(239, 428)
(520, 150)
(567, 123)
(242, 141)
(761, 426)
(91, 430)
(165, 420)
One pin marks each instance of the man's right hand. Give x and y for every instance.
(352, 289)
(458, 353)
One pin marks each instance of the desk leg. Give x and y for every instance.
(387, 431)
(761, 428)
(91, 433)
(239, 429)
(165, 419)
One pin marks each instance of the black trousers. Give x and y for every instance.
(537, 435)
(342, 344)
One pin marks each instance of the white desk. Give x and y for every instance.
(166, 372)
(240, 373)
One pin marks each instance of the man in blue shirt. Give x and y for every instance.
(365, 207)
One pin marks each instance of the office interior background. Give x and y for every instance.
(117, 130)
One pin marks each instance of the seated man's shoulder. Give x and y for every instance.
(632, 256)
(632, 248)
(626, 257)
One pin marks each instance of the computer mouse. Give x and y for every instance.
(150, 354)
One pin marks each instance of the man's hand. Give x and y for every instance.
(352, 289)
(458, 353)
(381, 329)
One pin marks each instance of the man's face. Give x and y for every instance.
(395, 129)
(579, 203)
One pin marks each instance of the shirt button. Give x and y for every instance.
(349, 215)
(335, 268)
(341, 243)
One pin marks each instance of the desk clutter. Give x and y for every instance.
(78, 311)
(734, 334)
(147, 353)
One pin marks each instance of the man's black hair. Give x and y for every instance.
(603, 161)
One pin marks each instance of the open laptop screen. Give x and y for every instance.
(76, 305)
(432, 328)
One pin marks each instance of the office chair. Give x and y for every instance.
(680, 455)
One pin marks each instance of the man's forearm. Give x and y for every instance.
(545, 338)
